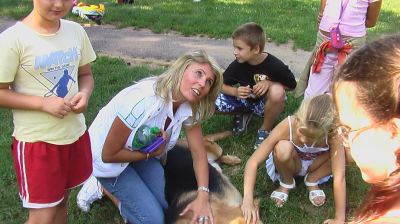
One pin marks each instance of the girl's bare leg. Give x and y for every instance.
(320, 168)
(287, 163)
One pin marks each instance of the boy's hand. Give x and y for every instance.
(56, 106)
(261, 88)
(80, 102)
(243, 92)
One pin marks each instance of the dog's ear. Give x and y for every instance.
(218, 136)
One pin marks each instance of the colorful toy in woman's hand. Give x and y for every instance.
(147, 139)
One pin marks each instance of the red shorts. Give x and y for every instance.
(46, 171)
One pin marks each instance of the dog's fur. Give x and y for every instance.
(181, 185)
(181, 189)
(214, 151)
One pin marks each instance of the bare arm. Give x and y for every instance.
(199, 154)
(53, 105)
(229, 90)
(373, 13)
(114, 150)
(321, 10)
(13, 100)
(322, 6)
(338, 162)
(80, 101)
(280, 132)
(241, 91)
(200, 206)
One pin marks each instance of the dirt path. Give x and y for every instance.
(144, 46)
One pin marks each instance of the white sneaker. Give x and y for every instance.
(90, 192)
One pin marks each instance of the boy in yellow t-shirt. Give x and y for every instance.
(46, 79)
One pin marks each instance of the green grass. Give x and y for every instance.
(283, 20)
(297, 210)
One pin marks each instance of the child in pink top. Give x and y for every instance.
(354, 20)
(353, 17)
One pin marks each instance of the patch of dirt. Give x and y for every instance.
(142, 46)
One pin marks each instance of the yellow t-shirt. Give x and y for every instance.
(45, 65)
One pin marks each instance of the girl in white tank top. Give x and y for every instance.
(307, 152)
(301, 145)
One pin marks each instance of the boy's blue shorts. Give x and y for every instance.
(231, 104)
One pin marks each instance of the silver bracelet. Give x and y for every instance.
(204, 188)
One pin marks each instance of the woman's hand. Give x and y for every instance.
(200, 208)
(319, 18)
(250, 211)
(160, 150)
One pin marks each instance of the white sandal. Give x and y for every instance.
(280, 195)
(314, 193)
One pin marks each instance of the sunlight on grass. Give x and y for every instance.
(283, 20)
(238, 2)
(145, 7)
(297, 210)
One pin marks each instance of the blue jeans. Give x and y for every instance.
(140, 190)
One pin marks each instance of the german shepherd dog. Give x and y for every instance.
(214, 151)
(181, 186)
(181, 189)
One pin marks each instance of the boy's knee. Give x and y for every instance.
(276, 93)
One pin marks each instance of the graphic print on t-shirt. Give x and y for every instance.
(60, 87)
(260, 77)
(54, 71)
(135, 115)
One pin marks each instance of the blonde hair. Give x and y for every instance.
(252, 34)
(171, 79)
(316, 113)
